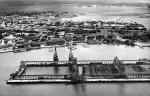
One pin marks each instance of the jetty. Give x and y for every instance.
(81, 71)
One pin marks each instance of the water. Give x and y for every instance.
(47, 70)
(10, 61)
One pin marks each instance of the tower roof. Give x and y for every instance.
(116, 61)
(55, 58)
(71, 55)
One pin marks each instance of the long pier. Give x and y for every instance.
(96, 74)
(82, 71)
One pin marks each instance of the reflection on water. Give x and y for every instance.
(93, 89)
(80, 89)
(121, 89)
(56, 69)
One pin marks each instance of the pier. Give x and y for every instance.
(81, 71)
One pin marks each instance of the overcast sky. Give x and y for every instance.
(112, 1)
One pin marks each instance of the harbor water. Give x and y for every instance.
(9, 62)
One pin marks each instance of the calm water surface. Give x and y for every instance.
(10, 61)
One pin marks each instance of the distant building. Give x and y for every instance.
(105, 32)
(69, 36)
(55, 41)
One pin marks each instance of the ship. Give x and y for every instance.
(16, 50)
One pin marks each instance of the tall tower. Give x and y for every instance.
(118, 65)
(71, 58)
(55, 58)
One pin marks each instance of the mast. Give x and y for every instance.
(71, 58)
(55, 57)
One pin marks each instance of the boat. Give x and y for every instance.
(16, 50)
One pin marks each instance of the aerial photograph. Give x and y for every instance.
(74, 47)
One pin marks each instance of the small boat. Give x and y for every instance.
(16, 50)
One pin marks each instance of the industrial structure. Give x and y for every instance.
(83, 71)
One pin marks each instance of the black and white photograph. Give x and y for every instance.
(74, 47)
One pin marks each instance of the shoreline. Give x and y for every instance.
(138, 44)
(33, 48)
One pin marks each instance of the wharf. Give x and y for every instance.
(81, 71)
(92, 73)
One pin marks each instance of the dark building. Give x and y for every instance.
(55, 42)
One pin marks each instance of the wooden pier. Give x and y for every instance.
(96, 71)
(83, 71)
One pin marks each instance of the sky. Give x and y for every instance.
(109, 1)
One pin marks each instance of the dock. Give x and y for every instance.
(81, 71)
(90, 72)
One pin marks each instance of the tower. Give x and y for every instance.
(118, 65)
(55, 58)
(71, 58)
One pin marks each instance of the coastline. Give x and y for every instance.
(139, 44)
